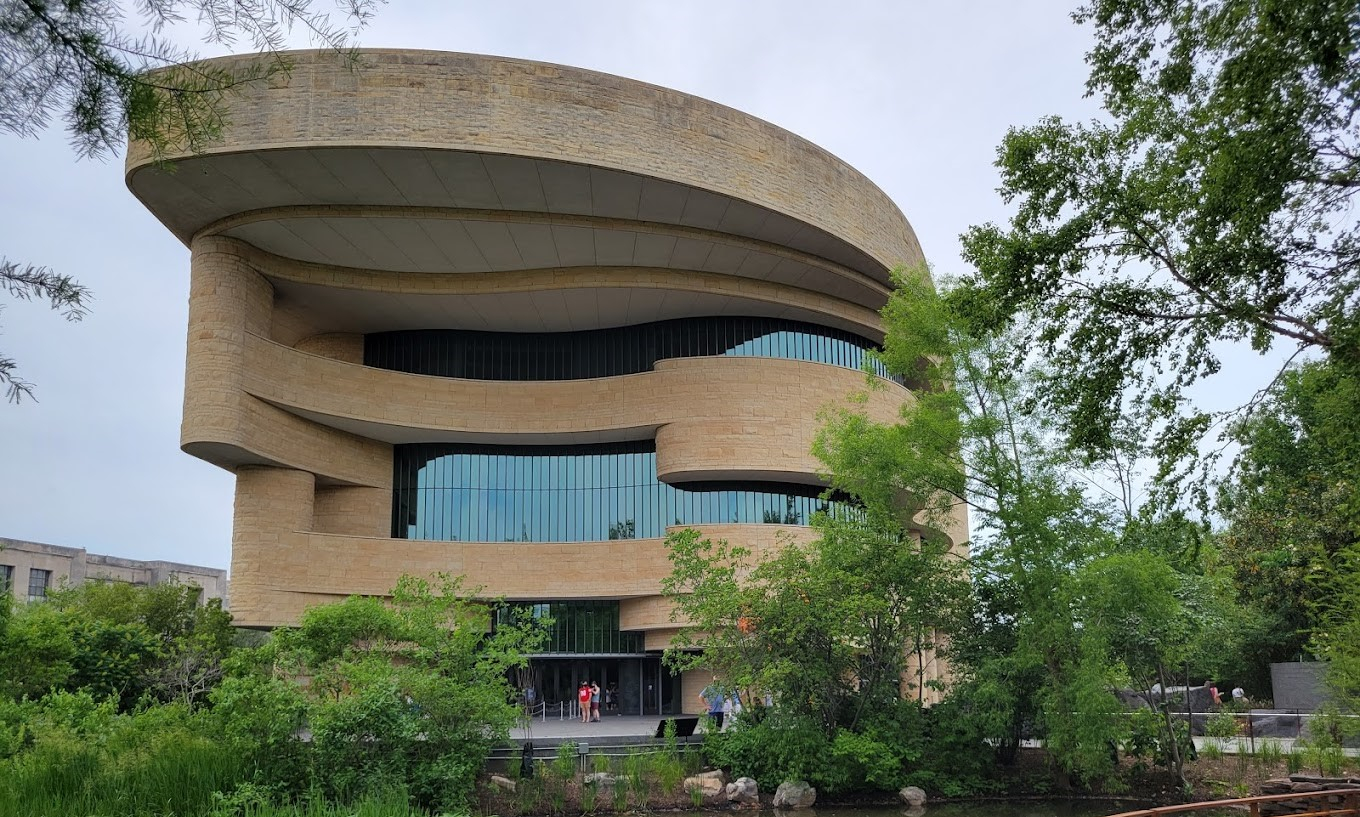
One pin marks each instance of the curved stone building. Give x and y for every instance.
(514, 320)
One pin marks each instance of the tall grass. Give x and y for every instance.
(1269, 752)
(174, 774)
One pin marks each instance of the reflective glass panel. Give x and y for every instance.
(608, 352)
(586, 493)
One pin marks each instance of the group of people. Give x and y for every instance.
(590, 696)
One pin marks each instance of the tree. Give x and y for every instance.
(1210, 205)
(1293, 513)
(76, 59)
(116, 640)
(1035, 655)
(410, 694)
(832, 634)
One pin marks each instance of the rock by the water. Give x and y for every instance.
(599, 779)
(795, 794)
(503, 783)
(711, 783)
(913, 796)
(743, 791)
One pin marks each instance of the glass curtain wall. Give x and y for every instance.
(610, 352)
(578, 627)
(572, 494)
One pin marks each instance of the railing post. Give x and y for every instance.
(1255, 810)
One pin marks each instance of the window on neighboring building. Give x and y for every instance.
(6, 578)
(38, 581)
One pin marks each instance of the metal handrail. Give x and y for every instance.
(1351, 800)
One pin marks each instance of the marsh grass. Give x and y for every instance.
(1269, 752)
(176, 773)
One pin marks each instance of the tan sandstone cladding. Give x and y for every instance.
(353, 511)
(334, 566)
(776, 399)
(692, 683)
(497, 105)
(272, 504)
(774, 262)
(343, 346)
(228, 302)
(831, 311)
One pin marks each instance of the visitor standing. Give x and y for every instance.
(583, 698)
(714, 698)
(594, 701)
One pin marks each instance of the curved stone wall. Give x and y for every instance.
(425, 191)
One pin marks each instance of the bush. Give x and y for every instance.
(777, 748)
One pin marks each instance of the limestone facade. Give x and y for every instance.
(424, 191)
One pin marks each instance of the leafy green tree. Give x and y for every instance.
(972, 438)
(410, 694)
(80, 60)
(825, 628)
(1293, 516)
(37, 652)
(832, 632)
(1211, 204)
(118, 640)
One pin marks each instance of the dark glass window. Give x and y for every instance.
(609, 352)
(6, 581)
(38, 582)
(586, 493)
(578, 626)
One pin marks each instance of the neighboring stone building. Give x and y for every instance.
(28, 570)
(514, 321)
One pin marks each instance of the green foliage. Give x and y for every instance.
(116, 639)
(1268, 752)
(1222, 725)
(825, 628)
(408, 695)
(83, 757)
(564, 762)
(1209, 206)
(403, 703)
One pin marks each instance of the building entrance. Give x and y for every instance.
(640, 685)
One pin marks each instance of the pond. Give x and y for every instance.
(981, 808)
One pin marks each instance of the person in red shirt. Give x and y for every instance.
(583, 698)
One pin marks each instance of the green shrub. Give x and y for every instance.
(776, 748)
(564, 763)
(1222, 725)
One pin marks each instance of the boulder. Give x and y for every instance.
(503, 783)
(795, 794)
(744, 792)
(913, 796)
(711, 783)
(601, 779)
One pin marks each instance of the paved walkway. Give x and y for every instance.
(609, 726)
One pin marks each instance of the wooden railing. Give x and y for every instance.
(1330, 802)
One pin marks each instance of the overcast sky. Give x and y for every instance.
(914, 94)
